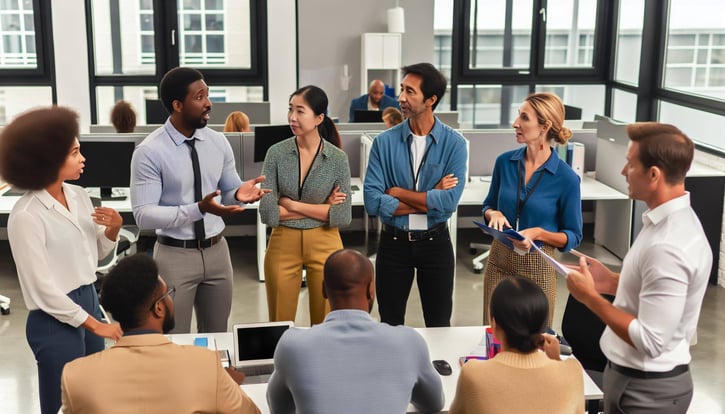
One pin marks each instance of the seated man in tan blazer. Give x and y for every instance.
(144, 371)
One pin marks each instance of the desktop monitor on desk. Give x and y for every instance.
(363, 115)
(266, 136)
(155, 112)
(108, 165)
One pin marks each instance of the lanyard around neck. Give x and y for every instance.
(521, 182)
(299, 163)
(420, 167)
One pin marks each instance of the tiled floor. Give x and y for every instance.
(18, 379)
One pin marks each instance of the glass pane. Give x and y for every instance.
(192, 22)
(135, 53)
(214, 22)
(488, 34)
(590, 98)
(442, 29)
(629, 41)
(17, 27)
(106, 97)
(695, 58)
(205, 32)
(624, 106)
(570, 28)
(15, 100)
(698, 125)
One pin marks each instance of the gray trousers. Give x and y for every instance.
(203, 281)
(623, 394)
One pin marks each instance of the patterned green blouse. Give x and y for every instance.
(329, 169)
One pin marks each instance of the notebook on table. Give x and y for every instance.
(254, 345)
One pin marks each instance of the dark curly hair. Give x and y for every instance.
(123, 117)
(35, 145)
(521, 309)
(129, 290)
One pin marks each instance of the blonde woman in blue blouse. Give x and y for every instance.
(309, 176)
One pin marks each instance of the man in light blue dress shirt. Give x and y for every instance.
(351, 363)
(190, 251)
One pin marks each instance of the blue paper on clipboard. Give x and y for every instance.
(502, 236)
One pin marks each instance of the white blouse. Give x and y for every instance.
(56, 250)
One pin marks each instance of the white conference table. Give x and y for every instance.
(443, 343)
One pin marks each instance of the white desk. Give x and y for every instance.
(443, 343)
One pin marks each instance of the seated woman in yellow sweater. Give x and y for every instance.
(521, 378)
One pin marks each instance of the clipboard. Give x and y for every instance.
(502, 236)
(558, 267)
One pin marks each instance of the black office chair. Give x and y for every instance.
(582, 329)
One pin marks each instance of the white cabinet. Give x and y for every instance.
(380, 59)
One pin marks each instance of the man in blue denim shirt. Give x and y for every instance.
(414, 180)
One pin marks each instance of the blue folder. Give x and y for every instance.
(504, 236)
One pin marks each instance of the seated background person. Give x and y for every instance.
(520, 378)
(237, 121)
(144, 372)
(392, 117)
(351, 363)
(374, 100)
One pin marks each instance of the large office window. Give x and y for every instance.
(135, 42)
(502, 49)
(26, 57)
(695, 54)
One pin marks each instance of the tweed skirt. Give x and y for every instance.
(504, 262)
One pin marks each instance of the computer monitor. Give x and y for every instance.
(572, 112)
(363, 115)
(108, 165)
(155, 112)
(266, 136)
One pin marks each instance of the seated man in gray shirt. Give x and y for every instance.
(351, 363)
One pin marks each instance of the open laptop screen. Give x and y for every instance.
(255, 343)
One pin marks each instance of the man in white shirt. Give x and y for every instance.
(660, 289)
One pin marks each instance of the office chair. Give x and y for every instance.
(127, 238)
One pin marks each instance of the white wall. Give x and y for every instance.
(330, 37)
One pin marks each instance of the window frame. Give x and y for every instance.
(166, 50)
(44, 73)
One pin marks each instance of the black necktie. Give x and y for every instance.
(199, 231)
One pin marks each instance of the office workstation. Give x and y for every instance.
(259, 54)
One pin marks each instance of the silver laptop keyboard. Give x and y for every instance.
(257, 370)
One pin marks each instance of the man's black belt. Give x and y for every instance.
(189, 244)
(635, 373)
(417, 235)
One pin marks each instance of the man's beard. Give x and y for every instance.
(169, 323)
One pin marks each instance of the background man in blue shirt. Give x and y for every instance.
(190, 251)
(374, 100)
(414, 180)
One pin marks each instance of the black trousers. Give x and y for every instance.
(396, 262)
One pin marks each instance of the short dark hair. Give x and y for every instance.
(175, 85)
(123, 117)
(316, 98)
(35, 145)
(663, 146)
(345, 270)
(521, 309)
(433, 82)
(129, 290)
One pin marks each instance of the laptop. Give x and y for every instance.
(254, 345)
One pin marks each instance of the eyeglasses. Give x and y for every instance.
(169, 292)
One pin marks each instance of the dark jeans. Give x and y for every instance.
(54, 343)
(396, 261)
